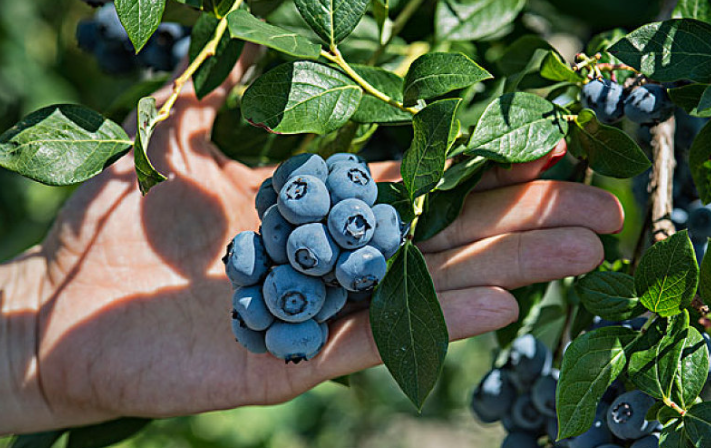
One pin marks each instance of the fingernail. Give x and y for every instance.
(619, 230)
(555, 158)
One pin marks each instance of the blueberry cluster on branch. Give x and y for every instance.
(647, 104)
(322, 241)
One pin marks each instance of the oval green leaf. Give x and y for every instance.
(374, 110)
(610, 295)
(63, 144)
(148, 176)
(697, 423)
(700, 163)
(140, 18)
(474, 19)
(301, 97)
(332, 20)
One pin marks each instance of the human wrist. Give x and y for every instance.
(23, 407)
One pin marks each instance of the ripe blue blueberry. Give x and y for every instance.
(292, 296)
(324, 338)
(387, 237)
(361, 269)
(493, 397)
(525, 415)
(294, 341)
(110, 26)
(520, 440)
(299, 165)
(180, 50)
(351, 223)
(87, 34)
(543, 394)
(351, 180)
(275, 232)
(158, 51)
(345, 157)
(626, 415)
(650, 441)
(246, 261)
(249, 339)
(597, 435)
(311, 250)
(330, 279)
(605, 98)
(304, 199)
(649, 104)
(699, 224)
(248, 307)
(552, 428)
(266, 197)
(335, 301)
(529, 359)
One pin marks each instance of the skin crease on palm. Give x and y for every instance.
(133, 308)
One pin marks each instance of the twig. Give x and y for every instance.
(398, 25)
(662, 179)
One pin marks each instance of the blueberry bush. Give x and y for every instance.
(618, 357)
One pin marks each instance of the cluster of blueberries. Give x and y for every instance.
(521, 395)
(322, 241)
(646, 104)
(105, 37)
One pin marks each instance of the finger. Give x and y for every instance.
(529, 206)
(521, 172)
(517, 259)
(467, 312)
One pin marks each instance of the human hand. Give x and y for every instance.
(134, 315)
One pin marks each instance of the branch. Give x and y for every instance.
(662, 180)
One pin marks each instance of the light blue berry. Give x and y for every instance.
(626, 416)
(266, 197)
(351, 181)
(249, 307)
(605, 98)
(249, 339)
(299, 165)
(649, 104)
(361, 269)
(324, 338)
(304, 199)
(345, 157)
(351, 223)
(387, 237)
(335, 301)
(293, 342)
(246, 262)
(275, 232)
(292, 296)
(311, 250)
(493, 397)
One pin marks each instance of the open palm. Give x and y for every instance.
(135, 314)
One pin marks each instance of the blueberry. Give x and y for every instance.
(699, 224)
(529, 359)
(552, 428)
(615, 389)
(345, 157)
(275, 232)
(304, 199)
(649, 104)
(110, 27)
(114, 57)
(650, 441)
(249, 339)
(330, 279)
(311, 250)
(605, 98)
(520, 440)
(292, 296)
(246, 262)
(626, 415)
(266, 197)
(324, 338)
(87, 34)
(95, 3)
(351, 223)
(158, 51)
(597, 435)
(493, 397)
(299, 165)
(361, 269)
(387, 237)
(351, 180)
(335, 301)
(543, 395)
(359, 296)
(294, 341)
(180, 51)
(634, 324)
(248, 307)
(525, 415)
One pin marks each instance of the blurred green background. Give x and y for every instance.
(40, 65)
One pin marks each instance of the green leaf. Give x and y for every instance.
(460, 172)
(423, 164)
(688, 98)
(591, 363)
(610, 295)
(474, 19)
(668, 51)
(216, 69)
(674, 435)
(396, 195)
(517, 127)
(654, 370)
(700, 163)
(332, 20)
(667, 275)
(435, 74)
(245, 26)
(555, 69)
(63, 144)
(610, 151)
(693, 368)
(697, 423)
(704, 290)
(300, 97)
(37, 440)
(705, 101)
(105, 434)
(147, 175)
(408, 325)
(441, 207)
(140, 18)
(374, 110)
(693, 9)
(381, 10)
